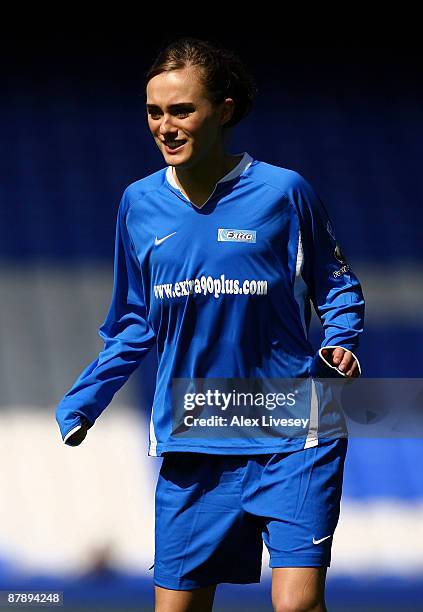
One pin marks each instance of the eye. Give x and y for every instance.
(155, 114)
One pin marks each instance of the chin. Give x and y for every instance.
(179, 162)
(182, 159)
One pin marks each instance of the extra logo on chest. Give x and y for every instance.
(235, 235)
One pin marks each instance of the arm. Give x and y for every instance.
(127, 338)
(333, 288)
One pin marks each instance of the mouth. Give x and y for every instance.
(173, 146)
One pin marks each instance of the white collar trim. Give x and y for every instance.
(243, 164)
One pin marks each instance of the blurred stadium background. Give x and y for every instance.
(74, 136)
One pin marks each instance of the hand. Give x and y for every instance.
(343, 360)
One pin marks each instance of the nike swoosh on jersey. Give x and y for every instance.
(321, 540)
(158, 241)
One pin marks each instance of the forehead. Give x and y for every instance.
(175, 86)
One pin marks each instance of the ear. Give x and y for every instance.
(227, 111)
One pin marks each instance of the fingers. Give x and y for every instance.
(339, 357)
(353, 372)
(344, 360)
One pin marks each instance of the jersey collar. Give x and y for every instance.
(243, 164)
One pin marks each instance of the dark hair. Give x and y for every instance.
(223, 73)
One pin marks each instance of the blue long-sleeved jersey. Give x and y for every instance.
(223, 291)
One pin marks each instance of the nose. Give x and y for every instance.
(166, 126)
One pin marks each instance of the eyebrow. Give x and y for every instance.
(173, 107)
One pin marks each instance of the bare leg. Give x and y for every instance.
(195, 600)
(299, 589)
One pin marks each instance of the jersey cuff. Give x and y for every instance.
(71, 432)
(334, 367)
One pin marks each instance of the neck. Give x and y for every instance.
(198, 182)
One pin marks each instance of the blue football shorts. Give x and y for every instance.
(213, 513)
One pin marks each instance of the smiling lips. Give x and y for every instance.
(174, 145)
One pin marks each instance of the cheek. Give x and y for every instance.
(201, 130)
(151, 126)
(191, 127)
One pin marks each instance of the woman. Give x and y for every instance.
(217, 259)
